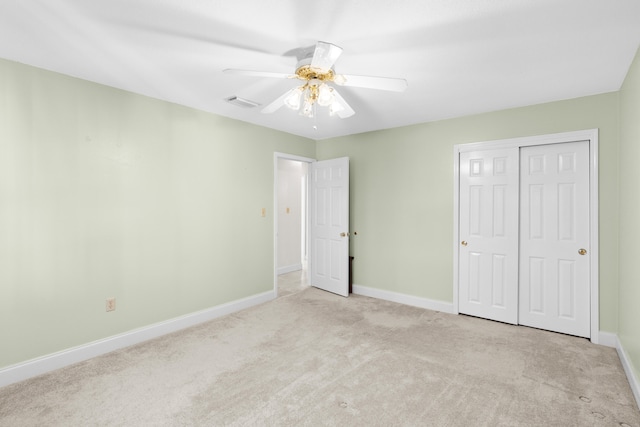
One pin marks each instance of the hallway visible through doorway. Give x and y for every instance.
(291, 283)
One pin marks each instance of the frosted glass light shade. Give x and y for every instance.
(325, 95)
(293, 101)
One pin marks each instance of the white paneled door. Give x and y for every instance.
(488, 255)
(554, 238)
(329, 266)
(524, 229)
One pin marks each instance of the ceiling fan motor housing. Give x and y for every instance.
(308, 73)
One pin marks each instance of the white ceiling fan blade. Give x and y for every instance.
(325, 56)
(346, 110)
(252, 73)
(382, 83)
(275, 105)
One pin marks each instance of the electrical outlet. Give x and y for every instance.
(111, 304)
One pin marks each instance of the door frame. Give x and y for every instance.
(590, 135)
(276, 157)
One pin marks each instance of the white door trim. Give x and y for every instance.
(590, 135)
(276, 157)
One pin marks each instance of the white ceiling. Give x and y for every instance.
(459, 57)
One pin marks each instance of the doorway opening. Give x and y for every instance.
(291, 230)
(325, 204)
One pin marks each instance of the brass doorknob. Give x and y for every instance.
(463, 243)
(582, 251)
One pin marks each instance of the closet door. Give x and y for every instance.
(488, 230)
(554, 238)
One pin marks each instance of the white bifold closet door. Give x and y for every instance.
(524, 230)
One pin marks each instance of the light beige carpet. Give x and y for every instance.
(312, 358)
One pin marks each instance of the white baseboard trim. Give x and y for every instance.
(634, 382)
(289, 269)
(608, 339)
(50, 362)
(445, 307)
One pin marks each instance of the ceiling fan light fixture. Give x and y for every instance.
(325, 95)
(312, 91)
(315, 69)
(308, 108)
(293, 100)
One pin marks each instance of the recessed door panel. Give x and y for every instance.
(536, 212)
(499, 210)
(536, 287)
(500, 165)
(336, 206)
(566, 289)
(499, 288)
(320, 253)
(320, 219)
(566, 215)
(475, 210)
(474, 277)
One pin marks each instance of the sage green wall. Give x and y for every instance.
(104, 193)
(402, 194)
(111, 194)
(629, 317)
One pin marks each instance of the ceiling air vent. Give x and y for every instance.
(241, 102)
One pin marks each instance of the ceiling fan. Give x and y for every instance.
(315, 70)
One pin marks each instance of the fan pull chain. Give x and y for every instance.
(315, 117)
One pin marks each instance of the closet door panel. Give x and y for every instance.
(488, 229)
(554, 227)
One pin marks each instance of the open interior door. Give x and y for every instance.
(329, 205)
